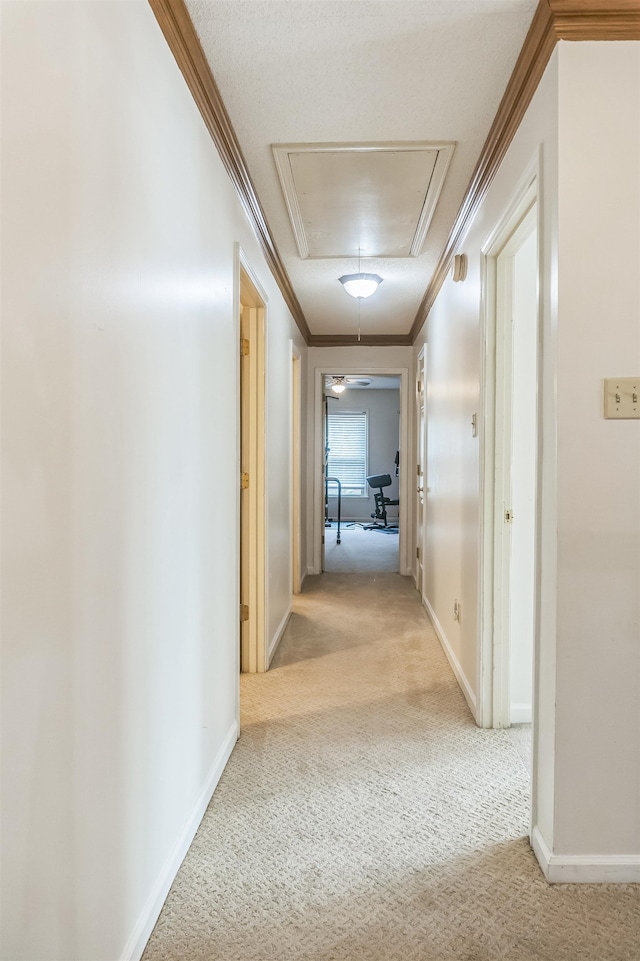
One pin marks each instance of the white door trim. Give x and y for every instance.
(254, 654)
(295, 423)
(493, 654)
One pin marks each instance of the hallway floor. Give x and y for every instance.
(364, 817)
(360, 551)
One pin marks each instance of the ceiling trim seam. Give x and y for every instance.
(179, 32)
(365, 340)
(553, 20)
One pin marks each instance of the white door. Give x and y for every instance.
(515, 474)
(523, 480)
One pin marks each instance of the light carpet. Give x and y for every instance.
(360, 551)
(364, 817)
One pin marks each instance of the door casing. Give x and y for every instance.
(494, 463)
(296, 447)
(405, 506)
(252, 312)
(420, 476)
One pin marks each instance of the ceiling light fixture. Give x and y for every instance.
(338, 385)
(360, 285)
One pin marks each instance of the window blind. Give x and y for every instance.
(347, 458)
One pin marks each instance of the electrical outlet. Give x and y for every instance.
(457, 607)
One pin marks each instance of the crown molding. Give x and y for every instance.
(364, 340)
(596, 19)
(175, 23)
(553, 20)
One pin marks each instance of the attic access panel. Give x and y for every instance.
(378, 198)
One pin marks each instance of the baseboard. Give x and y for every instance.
(520, 714)
(277, 637)
(137, 941)
(456, 667)
(585, 868)
(541, 850)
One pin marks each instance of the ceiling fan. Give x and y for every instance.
(339, 382)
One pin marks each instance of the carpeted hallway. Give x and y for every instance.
(360, 551)
(364, 817)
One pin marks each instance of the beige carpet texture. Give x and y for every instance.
(364, 817)
(360, 551)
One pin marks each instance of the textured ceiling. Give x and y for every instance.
(338, 71)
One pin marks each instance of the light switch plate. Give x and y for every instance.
(622, 398)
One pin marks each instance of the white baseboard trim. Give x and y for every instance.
(585, 868)
(277, 637)
(140, 935)
(520, 714)
(456, 667)
(541, 850)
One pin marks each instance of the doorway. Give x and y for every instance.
(253, 645)
(296, 520)
(517, 271)
(421, 469)
(511, 470)
(361, 473)
(394, 459)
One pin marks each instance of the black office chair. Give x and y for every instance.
(377, 483)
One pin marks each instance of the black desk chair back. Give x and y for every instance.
(377, 483)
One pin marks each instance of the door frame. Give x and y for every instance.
(404, 540)
(252, 638)
(296, 577)
(493, 700)
(421, 378)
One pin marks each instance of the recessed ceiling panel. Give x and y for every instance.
(376, 199)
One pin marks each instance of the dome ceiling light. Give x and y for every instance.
(360, 285)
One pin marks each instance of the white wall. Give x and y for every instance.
(119, 474)
(586, 786)
(455, 333)
(383, 419)
(598, 678)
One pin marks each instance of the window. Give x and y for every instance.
(347, 457)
